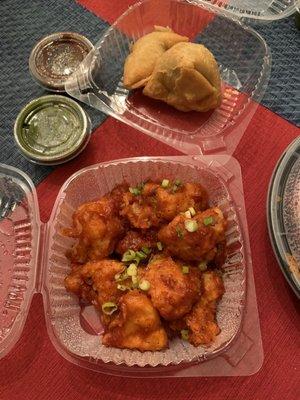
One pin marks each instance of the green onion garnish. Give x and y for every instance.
(121, 277)
(144, 285)
(165, 183)
(188, 214)
(129, 255)
(185, 269)
(191, 225)
(184, 334)
(146, 250)
(177, 182)
(192, 211)
(141, 254)
(135, 281)
(179, 232)
(132, 270)
(202, 266)
(122, 287)
(208, 221)
(159, 246)
(135, 191)
(109, 308)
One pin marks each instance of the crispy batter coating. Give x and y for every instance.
(144, 54)
(187, 77)
(201, 322)
(172, 292)
(171, 286)
(97, 226)
(156, 205)
(170, 203)
(137, 326)
(95, 283)
(134, 240)
(200, 244)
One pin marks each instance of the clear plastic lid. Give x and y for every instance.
(242, 55)
(19, 242)
(33, 260)
(260, 11)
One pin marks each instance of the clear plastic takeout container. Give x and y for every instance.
(258, 11)
(242, 55)
(32, 260)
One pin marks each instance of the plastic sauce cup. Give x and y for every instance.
(51, 130)
(55, 57)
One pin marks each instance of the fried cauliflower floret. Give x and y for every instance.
(200, 244)
(170, 203)
(201, 321)
(97, 227)
(154, 204)
(134, 240)
(137, 326)
(95, 282)
(139, 208)
(80, 283)
(172, 292)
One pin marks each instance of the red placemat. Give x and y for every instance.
(34, 370)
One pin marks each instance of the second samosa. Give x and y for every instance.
(187, 77)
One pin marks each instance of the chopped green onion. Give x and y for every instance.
(146, 250)
(122, 287)
(109, 308)
(144, 285)
(184, 334)
(179, 232)
(135, 281)
(165, 183)
(208, 221)
(191, 225)
(192, 211)
(188, 214)
(177, 182)
(159, 246)
(185, 269)
(129, 255)
(121, 277)
(132, 270)
(135, 191)
(202, 266)
(140, 254)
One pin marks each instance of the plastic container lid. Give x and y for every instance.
(55, 57)
(52, 130)
(32, 259)
(244, 62)
(259, 11)
(283, 210)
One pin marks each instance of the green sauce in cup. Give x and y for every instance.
(52, 129)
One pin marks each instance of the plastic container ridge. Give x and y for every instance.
(32, 259)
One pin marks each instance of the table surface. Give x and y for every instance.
(34, 370)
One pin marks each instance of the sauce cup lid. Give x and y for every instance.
(52, 130)
(55, 57)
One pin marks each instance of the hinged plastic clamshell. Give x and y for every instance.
(242, 55)
(33, 259)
